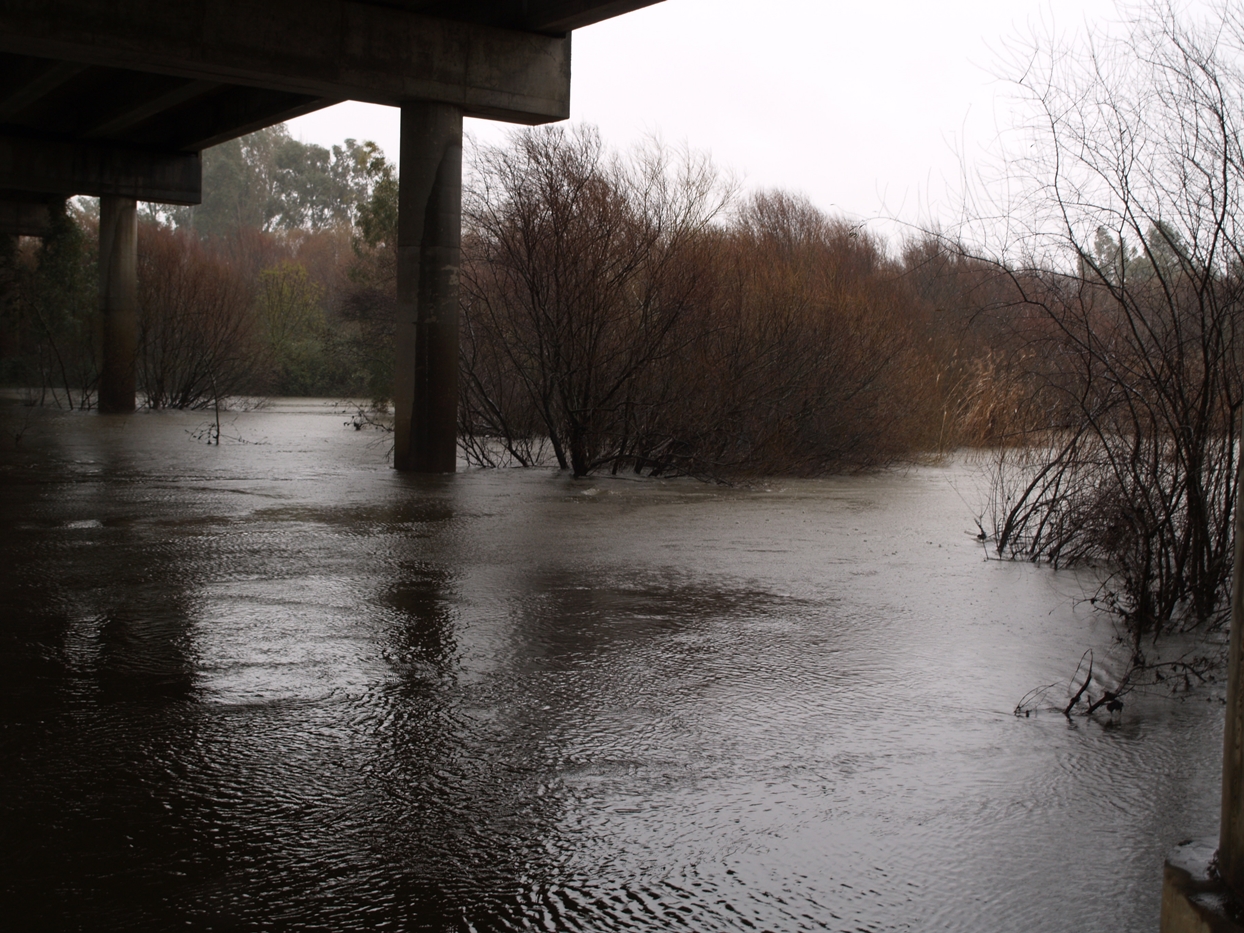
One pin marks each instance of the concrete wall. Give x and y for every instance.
(1194, 899)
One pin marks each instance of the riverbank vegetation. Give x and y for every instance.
(1128, 283)
(620, 311)
(635, 311)
(636, 314)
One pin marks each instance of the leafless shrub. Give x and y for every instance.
(613, 310)
(575, 276)
(1131, 269)
(195, 322)
(805, 360)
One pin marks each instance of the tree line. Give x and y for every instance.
(635, 313)
(619, 310)
(269, 287)
(1125, 288)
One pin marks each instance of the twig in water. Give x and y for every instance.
(1084, 686)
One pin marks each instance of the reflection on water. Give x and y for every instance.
(275, 685)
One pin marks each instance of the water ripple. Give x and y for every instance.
(277, 686)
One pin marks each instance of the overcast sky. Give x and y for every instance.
(870, 108)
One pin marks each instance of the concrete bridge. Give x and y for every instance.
(117, 100)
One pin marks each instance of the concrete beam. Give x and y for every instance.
(138, 111)
(24, 218)
(224, 114)
(565, 15)
(555, 17)
(44, 82)
(326, 49)
(65, 168)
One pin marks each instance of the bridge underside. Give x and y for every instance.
(118, 101)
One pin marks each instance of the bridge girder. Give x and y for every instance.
(325, 50)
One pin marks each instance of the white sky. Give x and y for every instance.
(872, 109)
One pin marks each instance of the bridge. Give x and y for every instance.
(118, 100)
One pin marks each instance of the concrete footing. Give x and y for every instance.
(1194, 899)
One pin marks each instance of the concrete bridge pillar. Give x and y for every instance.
(1203, 886)
(428, 246)
(118, 301)
(1231, 827)
(8, 282)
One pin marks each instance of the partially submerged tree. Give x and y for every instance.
(806, 359)
(195, 326)
(1130, 275)
(578, 270)
(616, 313)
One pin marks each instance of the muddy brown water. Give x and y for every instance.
(273, 685)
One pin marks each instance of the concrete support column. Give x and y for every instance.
(118, 302)
(428, 245)
(1231, 828)
(1201, 887)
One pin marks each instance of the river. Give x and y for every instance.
(274, 685)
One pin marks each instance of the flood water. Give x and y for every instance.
(274, 685)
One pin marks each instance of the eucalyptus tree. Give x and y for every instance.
(270, 181)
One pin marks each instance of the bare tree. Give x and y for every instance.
(195, 322)
(1130, 275)
(575, 276)
(805, 361)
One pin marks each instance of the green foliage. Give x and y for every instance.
(365, 337)
(294, 331)
(271, 181)
(249, 291)
(361, 341)
(1162, 253)
(308, 341)
(377, 213)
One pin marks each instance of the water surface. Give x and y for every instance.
(273, 685)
